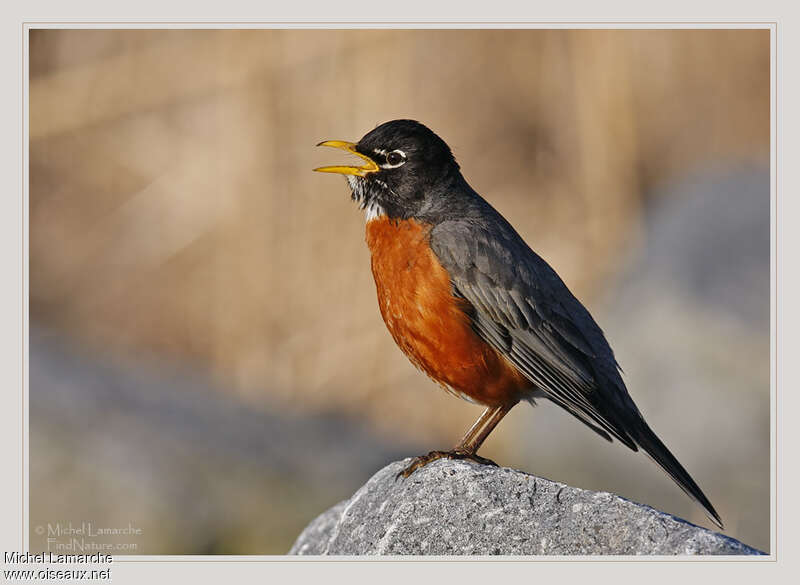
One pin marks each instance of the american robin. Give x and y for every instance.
(475, 308)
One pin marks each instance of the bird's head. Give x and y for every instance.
(406, 167)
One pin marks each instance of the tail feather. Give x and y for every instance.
(653, 446)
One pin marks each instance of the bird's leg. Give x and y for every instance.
(468, 446)
(472, 441)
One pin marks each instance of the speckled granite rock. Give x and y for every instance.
(461, 508)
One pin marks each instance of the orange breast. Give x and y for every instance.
(430, 324)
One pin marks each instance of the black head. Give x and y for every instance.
(407, 172)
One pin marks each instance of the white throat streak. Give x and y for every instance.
(372, 210)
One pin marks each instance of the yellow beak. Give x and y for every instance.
(370, 166)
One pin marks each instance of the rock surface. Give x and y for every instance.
(461, 508)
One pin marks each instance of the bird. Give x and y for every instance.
(475, 308)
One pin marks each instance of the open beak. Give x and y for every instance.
(370, 165)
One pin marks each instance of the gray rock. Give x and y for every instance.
(461, 508)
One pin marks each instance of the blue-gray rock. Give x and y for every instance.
(461, 508)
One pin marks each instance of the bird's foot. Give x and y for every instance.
(423, 460)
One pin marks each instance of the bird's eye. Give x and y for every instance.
(395, 158)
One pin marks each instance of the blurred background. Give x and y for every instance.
(207, 360)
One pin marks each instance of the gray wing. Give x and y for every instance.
(522, 308)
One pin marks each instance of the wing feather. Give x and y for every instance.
(523, 312)
(520, 306)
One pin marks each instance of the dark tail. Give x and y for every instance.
(653, 446)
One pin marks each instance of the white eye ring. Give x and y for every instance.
(395, 159)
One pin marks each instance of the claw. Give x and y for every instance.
(423, 460)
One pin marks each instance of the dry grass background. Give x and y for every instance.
(173, 211)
